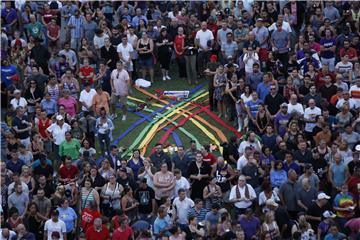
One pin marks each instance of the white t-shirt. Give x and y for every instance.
(204, 37)
(249, 62)
(296, 108)
(353, 104)
(51, 226)
(87, 97)
(125, 50)
(242, 204)
(120, 82)
(58, 133)
(285, 26)
(21, 102)
(310, 114)
(99, 42)
(11, 187)
(182, 209)
(355, 94)
(241, 162)
(181, 183)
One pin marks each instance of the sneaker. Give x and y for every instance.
(164, 78)
(114, 116)
(168, 77)
(123, 118)
(239, 129)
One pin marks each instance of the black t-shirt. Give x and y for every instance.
(273, 103)
(21, 124)
(282, 217)
(47, 171)
(352, 165)
(319, 166)
(144, 197)
(316, 211)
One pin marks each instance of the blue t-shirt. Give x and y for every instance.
(6, 73)
(254, 107)
(69, 216)
(263, 90)
(327, 43)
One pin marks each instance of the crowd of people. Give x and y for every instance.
(285, 73)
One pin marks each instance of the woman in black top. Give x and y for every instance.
(164, 44)
(33, 96)
(145, 48)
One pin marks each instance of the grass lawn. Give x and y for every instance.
(174, 84)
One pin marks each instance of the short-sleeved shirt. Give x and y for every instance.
(120, 80)
(51, 226)
(58, 132)
(69, 104)
(125, 50)
(86, 71)
(64, 172)
(327, 43)
(20, 124)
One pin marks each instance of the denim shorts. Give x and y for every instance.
(146, 63)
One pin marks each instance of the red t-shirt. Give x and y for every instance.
(64, 172)
(86, 71)
(115, 221)
(43, 125)
(92, 234)
(179, 43)
(119, 234)
(350, 51)
(209, 158)
(88, 217)
(53, 30)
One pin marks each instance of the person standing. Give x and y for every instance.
(204, 40)
(164, 46)
(120, 83)
(242, 195)
(54, 224)
(280, 42)
(179, 47)
(76, 26)
(199, 172)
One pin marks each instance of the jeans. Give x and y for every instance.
(330, 62)
(104, 141)
(191, 68)
(75, 43)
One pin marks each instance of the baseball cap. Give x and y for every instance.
(322, 195)
(283, 105)
(17, 91)
(271, 202)
(59, 117)
(259, 20)
(230, 56)
(329, 214)
(357, 148)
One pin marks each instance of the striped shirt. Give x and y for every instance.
(200, 215)
(78, 23)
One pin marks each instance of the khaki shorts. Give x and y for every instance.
(115, 99)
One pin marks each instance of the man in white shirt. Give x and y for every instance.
(18, 101)
(125, 51)
(204, 40)
(86, 98)
(285, 25)
(56, 132)
(120, 83)
(310, 116)
(355, 92)
(244, 159)
(242, 195)
(181, 206)
(55, 225)
(294, 107)
(181, 183)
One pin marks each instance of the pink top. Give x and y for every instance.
(120, 79)
(69, 104)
